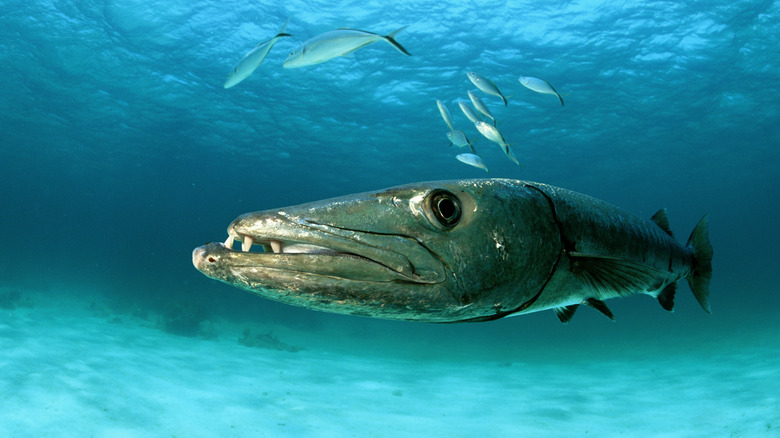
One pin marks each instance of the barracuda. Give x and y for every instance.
(457, 251)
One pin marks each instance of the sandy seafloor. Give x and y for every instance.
(79, 368)
(122, 151)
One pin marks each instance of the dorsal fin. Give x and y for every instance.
(614, 276)
(600, 306)
(565, 313)
(662, 220)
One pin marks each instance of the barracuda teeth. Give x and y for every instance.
(276, 246)
(229, 242)
(246, 245)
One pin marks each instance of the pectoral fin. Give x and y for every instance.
(614, 276)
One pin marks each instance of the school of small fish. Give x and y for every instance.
(341, 42)
(487, 130)
(315, 50)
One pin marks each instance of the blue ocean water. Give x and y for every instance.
(121, 152)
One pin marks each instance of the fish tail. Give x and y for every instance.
(390, 38)
(281, 32)
(284, 26)
(555, 91)
(510, 155)
(699, 279)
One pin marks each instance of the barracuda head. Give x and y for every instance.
(439, 252)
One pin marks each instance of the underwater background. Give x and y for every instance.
(121, 152)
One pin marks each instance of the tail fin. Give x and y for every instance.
(284, 26)
(699, 280)
(281, 32)
(391, 39)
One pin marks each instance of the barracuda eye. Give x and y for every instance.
(445, 208)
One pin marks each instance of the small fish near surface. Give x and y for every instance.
(539, 86)
(458, 251)
(472, 160)
(445, 114)
(468, 112)
(459, 139)
(492, 133)
(253, 59)
(335, 43)
(486, 85)
(480, 106)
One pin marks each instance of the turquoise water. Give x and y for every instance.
(121, 151)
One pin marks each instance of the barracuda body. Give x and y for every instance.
(454, 251)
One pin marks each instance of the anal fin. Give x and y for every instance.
(565, 313)
(600, 306)
(666, 296)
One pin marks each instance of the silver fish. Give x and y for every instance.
(253, 59)
(486, 85)
(480, 106)
(335, 43)
(539, 85)
(459, 139)
(468, 112)
(457, 251)
(445, 114)
(472, 160)
(492, 133)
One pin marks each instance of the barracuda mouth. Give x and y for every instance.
(274, 248)
(249, 244)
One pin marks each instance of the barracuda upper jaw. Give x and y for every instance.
(278, 234)
(276, 246)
